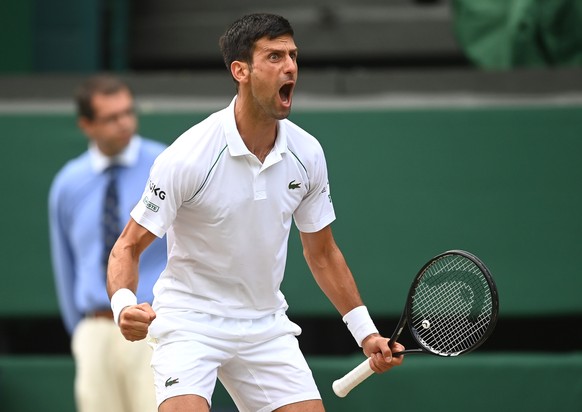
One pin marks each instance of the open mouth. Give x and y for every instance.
(285, 92)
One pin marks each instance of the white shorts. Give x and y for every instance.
(258, 361)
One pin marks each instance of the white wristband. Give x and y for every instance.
(359, 323)
(120, 300)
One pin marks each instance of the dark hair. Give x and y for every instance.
(238, 42)
(98, 84)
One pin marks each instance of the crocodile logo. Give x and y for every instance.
(293, 185)
(170, 381)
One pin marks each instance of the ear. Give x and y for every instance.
(85, 125)
(239, 70)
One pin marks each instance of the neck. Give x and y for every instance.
(257, 132)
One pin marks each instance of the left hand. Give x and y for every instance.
(376, 348)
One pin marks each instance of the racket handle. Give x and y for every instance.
(360, 373)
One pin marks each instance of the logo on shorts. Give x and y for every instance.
(293, 185)
(170, 381)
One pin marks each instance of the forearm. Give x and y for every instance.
(335, 279)
(122, 270)
(338, 284)
(122, 278)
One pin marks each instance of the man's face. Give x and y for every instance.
(273, 75)
(114, 122)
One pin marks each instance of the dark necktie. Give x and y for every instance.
(110, 218)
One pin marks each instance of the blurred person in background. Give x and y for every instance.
(89, 202)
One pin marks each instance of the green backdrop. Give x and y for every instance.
(503, 183)
(501, 382)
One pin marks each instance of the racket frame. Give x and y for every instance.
(407, 312)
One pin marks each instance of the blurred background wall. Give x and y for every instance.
(446, 124)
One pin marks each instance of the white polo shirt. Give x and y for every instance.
(228, 217)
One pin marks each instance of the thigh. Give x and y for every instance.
(184, 403)
(306, 406)
(269, 375)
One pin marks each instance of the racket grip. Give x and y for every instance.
(360, 373)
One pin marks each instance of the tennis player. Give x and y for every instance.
(225, 193)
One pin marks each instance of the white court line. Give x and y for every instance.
(306, 102)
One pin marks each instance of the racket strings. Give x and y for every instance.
(452, 306)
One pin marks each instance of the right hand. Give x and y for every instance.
(134, 321)
(377, 348)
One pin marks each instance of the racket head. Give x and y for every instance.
(453, 304)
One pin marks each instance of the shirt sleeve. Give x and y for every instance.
(167, 188)
(316, 209)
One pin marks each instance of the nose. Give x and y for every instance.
(290, 64)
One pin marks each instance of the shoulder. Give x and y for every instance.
(196, 145)
(300, 138)
(197, 141)
(302, 144)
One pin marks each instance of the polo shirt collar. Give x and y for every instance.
(236, 146)
(128, 156)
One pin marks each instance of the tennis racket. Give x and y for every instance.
(451, 309)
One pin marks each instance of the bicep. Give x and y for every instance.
(135, 237)
(319, 248)
(315, 242)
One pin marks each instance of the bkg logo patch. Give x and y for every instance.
(157, 191)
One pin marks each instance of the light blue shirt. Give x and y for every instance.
(75, 207)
